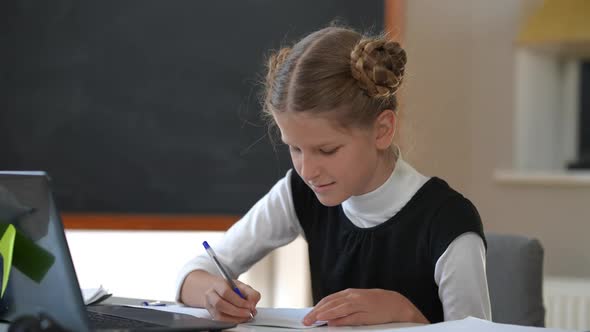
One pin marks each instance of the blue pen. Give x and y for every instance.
(153, 304)
(225, 275)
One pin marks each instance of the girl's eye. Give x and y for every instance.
(329, 151)
(294, 149)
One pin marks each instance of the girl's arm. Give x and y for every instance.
(460, 274)
(364, 307)
(269, 224)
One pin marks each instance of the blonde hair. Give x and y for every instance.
(335, 68)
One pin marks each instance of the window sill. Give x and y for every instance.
(543, 178)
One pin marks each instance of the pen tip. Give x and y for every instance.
(205, 244)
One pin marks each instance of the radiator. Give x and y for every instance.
(567, 303)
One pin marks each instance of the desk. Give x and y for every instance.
(371, 328)
(247, 328)
(244, 328)
(468, 324)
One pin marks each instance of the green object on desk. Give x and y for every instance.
(6, 248)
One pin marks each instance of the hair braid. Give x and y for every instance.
(378, 66)
(274, 63)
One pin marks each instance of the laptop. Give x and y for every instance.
(41, 280)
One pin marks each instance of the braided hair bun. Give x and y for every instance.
(378, 66)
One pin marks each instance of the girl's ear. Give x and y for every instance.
(385, 129)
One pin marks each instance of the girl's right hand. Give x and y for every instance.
(225, 305)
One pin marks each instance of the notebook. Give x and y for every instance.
(40, 279)
(285, 318)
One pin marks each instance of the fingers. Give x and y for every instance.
(252, 296)
(332, 310)
(224, 304)
(222, 309)
(357, 318)
(336, 307)
(363, 307)
(337, 310)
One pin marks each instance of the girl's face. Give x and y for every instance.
(336, 163)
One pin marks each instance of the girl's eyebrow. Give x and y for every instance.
(322, 145)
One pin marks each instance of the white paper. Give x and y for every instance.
(282, 317)
(94, 295)
(471, 324)
(275, 317)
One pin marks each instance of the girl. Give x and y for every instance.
(386, 244)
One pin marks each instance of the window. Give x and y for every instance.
(551, 121)
(583, 142)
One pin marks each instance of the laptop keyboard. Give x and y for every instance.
(102, 321)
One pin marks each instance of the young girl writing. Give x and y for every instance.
(386, 243)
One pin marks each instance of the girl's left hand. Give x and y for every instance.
(364, 307)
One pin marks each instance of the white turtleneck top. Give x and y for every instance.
(271, 223)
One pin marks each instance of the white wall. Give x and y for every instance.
(132, 263)
(144, 264)
(459, 100)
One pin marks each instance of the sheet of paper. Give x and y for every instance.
(282, 317)
(273, 317)
(471, 324)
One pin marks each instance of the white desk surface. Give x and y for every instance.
(469, 324)
(247, 328)
(243, 328)
(372, 328)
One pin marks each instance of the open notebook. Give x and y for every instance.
(95, 295)
(272, 317)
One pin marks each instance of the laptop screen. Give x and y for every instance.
(41, 276)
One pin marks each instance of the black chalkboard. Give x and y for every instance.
(150, 106)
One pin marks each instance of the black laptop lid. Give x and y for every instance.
(42, 277)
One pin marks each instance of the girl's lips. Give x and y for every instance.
(321, 188)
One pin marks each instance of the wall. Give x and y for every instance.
(144, 264)
(459, 103)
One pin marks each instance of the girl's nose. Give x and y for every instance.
(309, 169)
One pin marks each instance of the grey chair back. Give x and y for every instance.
(515, 279)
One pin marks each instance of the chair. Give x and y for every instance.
(515, 279)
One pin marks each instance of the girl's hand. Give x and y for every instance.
(224, 304)
(364, 307)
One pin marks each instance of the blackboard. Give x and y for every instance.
(150, 106)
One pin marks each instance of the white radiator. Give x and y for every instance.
(567, 303)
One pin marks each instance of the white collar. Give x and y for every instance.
(379, 205)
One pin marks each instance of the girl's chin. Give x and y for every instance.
(329, 200)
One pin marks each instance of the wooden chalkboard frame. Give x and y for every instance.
(394, 23)
(152, 222)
